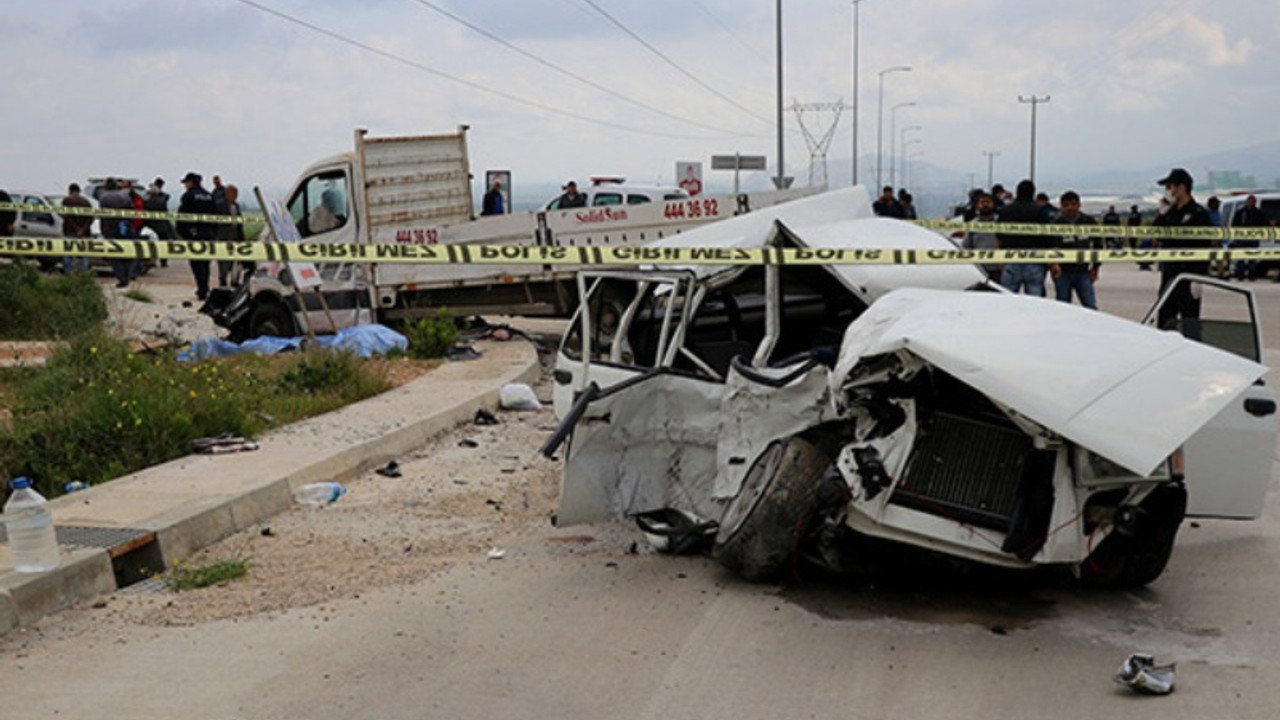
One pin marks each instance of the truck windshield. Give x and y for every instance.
(320, 204)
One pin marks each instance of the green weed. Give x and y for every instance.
(432, 337)
(98, 411)
(181, 577)
(34, 306)
(138, 295)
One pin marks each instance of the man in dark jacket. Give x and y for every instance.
(493, 204)
(117, 197)
(1025, 277)
(76, 226)
(1077, 277)
(1249, 216)
(571, 197)
(1184, 211)
(887, 205)
(7, 217)
(198, 201)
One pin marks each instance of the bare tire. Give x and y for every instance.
(271, 319)
(764, 523)
(1128, 561)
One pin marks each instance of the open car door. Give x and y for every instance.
(626, 324)
(1228, 461)
(640, 435)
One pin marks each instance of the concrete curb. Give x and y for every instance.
(195, 501)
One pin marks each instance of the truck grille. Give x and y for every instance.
(965, 470)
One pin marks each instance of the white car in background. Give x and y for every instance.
(778, 410)
(610, 191)
(37, 223)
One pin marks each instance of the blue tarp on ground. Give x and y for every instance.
(363, 340)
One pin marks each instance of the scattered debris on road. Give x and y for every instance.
(1141, 674)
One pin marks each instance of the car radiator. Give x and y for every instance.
(965, 470)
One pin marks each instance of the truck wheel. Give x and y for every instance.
(1125, 561)
(766, 520)
(272, 319)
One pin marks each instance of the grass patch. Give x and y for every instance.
(97, 410)
(34, 306)
(139, 295)
(181, 577)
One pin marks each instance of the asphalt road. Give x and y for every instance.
(571, 625)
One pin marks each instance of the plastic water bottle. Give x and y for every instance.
(76, 486)
(32, 542)
(321, 493)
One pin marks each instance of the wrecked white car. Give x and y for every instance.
(780, 407)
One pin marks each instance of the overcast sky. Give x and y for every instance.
(147, 87)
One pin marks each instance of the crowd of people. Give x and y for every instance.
(1025, 206)
(122, 194)
(1178, 208)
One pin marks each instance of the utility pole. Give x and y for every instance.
(853, 177)
(781, 181)
(1034, 102)
(818, 144)
(991, 162)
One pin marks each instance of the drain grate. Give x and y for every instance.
(143, 587)
(116, 541)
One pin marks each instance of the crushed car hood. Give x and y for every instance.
(834, 220)
(1125, 391)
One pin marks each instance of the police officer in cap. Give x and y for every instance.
(197, 201)
(1184, 211)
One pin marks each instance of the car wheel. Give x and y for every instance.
(764, 523)
(1129, 560)
(271, 319)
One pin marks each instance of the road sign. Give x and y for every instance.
(738, 162)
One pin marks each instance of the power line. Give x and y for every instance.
(563, 71)
(673, 63)
(754, 51)
(461, 81)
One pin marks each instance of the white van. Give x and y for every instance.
(613, 190)
(1268, 202)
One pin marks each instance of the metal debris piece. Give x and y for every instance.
(225, 443)
(1140, 672)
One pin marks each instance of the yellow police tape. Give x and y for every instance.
(1192, 234)
(128, 214)
(588, 256)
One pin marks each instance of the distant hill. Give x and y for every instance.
(1261, 162)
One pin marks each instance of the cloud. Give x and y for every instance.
(1212, 40)
(157, 26)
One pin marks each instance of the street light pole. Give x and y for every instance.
(902, 143)
(905, 145)
(910, 158)
(880, 122)
(991, 156)
(893, 123)
(1034, 102)
(853, 179)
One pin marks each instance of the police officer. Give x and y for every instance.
(1184, 211)
(199, 201)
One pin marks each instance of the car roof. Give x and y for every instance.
(838, 219)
